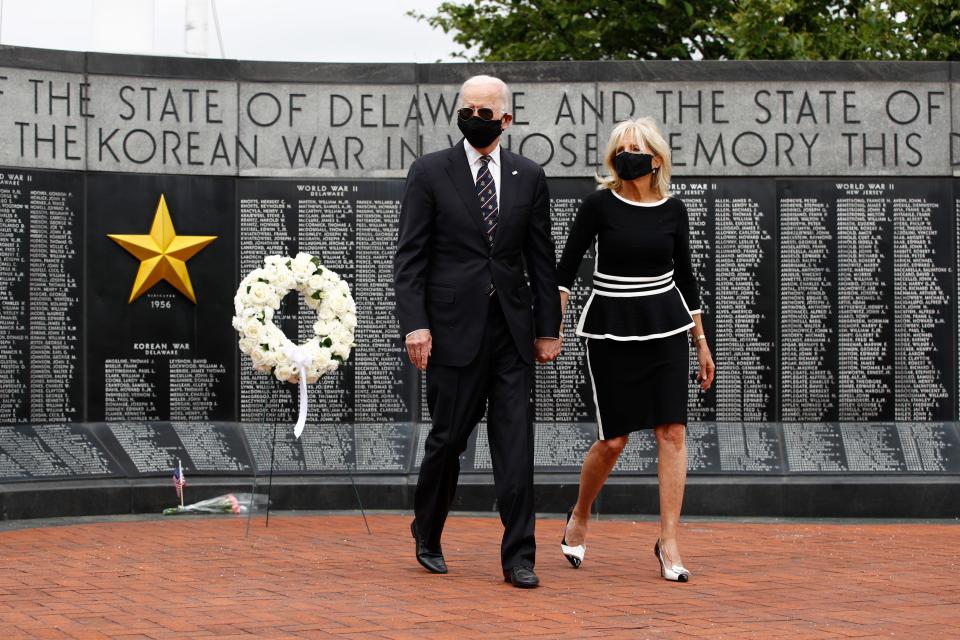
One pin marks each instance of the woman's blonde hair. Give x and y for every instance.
(644, 130)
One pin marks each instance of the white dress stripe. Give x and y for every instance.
(651, 336)
(633, 294)
(633, 286)
(596, 403)
(597, 274)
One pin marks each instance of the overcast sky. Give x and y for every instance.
(296, 30)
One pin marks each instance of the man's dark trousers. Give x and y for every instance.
(458, 397)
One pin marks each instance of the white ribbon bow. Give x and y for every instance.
(299, 356)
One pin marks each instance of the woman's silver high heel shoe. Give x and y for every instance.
(573, 554)
(675, 572)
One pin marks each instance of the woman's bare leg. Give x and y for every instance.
(597, 465)
(672, 475)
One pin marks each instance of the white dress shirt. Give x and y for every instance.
(473, 159)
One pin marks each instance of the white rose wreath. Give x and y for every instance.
(258, 298)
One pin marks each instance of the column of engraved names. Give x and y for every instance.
(872, 447)
(130, 389)
(327, 230)
(930, 446)
(193, 384)
(54, 308)
(562, 392)
(286, 453)
(152, 448)
(50, 450)
(264, 231)
(76, 448)
(814, 446)
(749, 447)
(743, 347)
(28, 453)
(11, 468)
(383, 447)
(808, 384)
(211, 447)
(381, 393)
(701, 405)
(864, 305)
(922, 308)
(14, 339)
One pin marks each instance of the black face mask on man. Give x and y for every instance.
(630, 166)
(480, 133)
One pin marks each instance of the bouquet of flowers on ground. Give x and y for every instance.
(229, 503)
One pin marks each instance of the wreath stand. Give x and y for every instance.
(351, 467)
(273, 400)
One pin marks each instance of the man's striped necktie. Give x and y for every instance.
(487, 192)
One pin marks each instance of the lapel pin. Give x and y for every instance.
(514, 172)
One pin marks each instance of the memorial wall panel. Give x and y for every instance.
(155, 448)
(50, 451)
(41, 296)
(696, 197)
(733, 247)
(351, 227)
(334, 448)
(866, 300)
(160, 356)
(562, 390)
(823, 220)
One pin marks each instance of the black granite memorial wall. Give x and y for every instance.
(823, 214)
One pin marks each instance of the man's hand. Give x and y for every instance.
(547, 349)
(419, 347)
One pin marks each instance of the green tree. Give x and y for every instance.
(581, 29)
(713, 29)
(931, 29)
(777, 29)
(848, 30)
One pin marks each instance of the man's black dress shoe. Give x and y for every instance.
(522, 577)
(432, 561)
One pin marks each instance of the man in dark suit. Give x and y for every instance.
(472, 217)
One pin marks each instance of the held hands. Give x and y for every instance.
(420, 344)
(547, 349)
(419, 347)
(707, 370)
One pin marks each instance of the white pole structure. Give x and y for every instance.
(195, 35)
(216, 24)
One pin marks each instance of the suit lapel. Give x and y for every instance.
(462, 177)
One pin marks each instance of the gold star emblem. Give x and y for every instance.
(162, 254)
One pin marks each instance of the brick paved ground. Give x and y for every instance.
(316, 576)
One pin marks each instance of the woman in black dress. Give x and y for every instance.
(644, 301)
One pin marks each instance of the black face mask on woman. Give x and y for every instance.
(480, 133)
(630, 166)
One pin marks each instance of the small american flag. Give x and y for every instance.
(179, 480)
